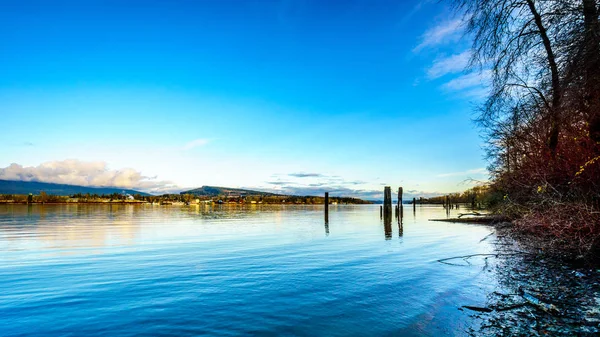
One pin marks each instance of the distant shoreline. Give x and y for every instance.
(140, 202)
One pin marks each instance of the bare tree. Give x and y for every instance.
(516, 39)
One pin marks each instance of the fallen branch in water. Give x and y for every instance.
(487, 236)
(481, 219)
(464, 257)
(480, 309)
(490, 309)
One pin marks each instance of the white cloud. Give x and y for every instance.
(479, 79)
(416, 8)
(195, 143)
(449, 65)
(478, 171)
(476, 93)
(93, 174)
(443, 33)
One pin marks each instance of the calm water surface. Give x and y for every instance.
(265, 270)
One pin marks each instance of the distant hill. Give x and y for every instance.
(213, 191)
(34, 187)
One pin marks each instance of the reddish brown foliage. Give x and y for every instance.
(568, 229)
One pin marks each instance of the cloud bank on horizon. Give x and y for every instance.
(91, 174)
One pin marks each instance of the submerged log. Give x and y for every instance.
(481, 219)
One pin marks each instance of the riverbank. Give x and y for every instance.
(543, 291)
(540, 294)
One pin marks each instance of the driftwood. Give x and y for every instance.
(530, 300)
(481, 219)
(494, 308)
(487, 236)
(480, 309)
(465, 257)
(536, 302)
(460, 215)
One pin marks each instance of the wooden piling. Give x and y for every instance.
(387, 200)
(399, 196)
(400, 190)
(414, 204)
(326, 207)
(387, 212)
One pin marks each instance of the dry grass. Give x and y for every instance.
(569, 230)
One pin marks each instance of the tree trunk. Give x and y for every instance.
(554, 112)
(592, 68)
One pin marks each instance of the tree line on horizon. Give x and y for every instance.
(43, 197)
(475, 197)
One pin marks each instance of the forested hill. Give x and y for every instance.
(242, 195)
(213, 191)
(34, 187)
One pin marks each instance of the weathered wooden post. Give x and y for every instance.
(399, 196)
(400, 202)
(414, 205)
(387, 212)
(387, 201)
(326, 207)
(381, 211)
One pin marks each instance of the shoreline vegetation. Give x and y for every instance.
(541, 119)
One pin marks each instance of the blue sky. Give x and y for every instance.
(294, 96)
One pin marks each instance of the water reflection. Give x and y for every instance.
(67, 228)
(387, 225)
(400, 226)
(326, 221)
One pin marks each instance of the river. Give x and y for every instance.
(236, 270)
